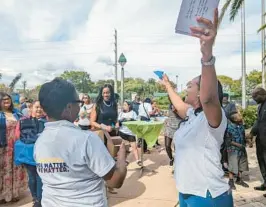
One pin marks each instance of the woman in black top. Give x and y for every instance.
(105, 113)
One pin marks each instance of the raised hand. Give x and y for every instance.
(206, 35)
(165, 80)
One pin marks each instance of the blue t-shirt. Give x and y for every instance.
(235, 133)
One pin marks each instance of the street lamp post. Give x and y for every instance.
(263, 42)
(243, 50)
(176, 83)
(122, 61)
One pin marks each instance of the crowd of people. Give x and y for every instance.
(50, 144)
(22, 126)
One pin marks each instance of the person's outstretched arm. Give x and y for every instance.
(209, 96)
(180, 106)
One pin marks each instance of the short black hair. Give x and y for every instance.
(2, 95)
(147, 100)
(129, 105)
(225, 95)
(55, 95)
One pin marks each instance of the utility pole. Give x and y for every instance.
(115, 64)
(176, 83)
(263, 42)
(243, 56)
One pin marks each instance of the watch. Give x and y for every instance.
(211, 62)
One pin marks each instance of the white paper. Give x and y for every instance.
(190, 9)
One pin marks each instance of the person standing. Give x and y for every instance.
(236, 149)
(135, 104)
(22, 102)
(104, 114)
(28, 130)
(259, 130)
(170, 126)
(145, 113)
(85, 113)
(198, 172)
(127, 114)
(229, 107)
(13, 178)
(73, 164)
(145, 110)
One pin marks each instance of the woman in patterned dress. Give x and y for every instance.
(13, 179)
(170, 127)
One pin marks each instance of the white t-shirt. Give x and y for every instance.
(148, 108)
(198, 158)
(71, 164)
(86, 108)
(128, 116)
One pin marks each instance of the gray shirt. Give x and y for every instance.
(71, 164)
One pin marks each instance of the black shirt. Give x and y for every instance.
(107, 113)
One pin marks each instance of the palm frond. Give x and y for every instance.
(224, 9)
(262, 28)
(236, 6)
(15, 81)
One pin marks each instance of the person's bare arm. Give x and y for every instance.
(236, 144)
(209, 97)
(93, 118)
(115, 178)
(180, 106)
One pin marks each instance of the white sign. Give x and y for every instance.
(190, 10)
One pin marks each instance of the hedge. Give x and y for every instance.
(249, 115)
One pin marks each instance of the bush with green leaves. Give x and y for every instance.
(163, 102)
(249, 116)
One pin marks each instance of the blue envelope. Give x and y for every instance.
(159, 73)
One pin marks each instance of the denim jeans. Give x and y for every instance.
(35, 182)
(224, 200)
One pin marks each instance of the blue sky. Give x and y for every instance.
(41, 39)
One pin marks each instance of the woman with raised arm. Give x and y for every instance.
(198, 170)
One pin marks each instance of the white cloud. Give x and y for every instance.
(43, 38)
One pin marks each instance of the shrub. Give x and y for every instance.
(249, 116)
(163, 103)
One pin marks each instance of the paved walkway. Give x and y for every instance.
(157, 189)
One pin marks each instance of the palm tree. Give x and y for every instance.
(235, 6)
(14, 82)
